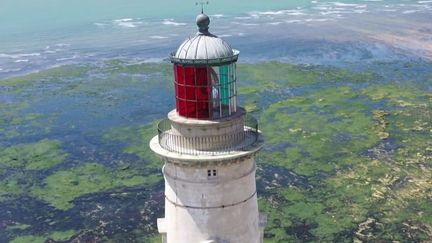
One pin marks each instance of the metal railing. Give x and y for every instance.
(220, 144)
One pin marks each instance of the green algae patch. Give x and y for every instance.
(62, 187)
(10, 188)
(18, 227)
(36, 156)
(29, 239)
(62, 235)
(155, 239)
(56, 236)
(276, 75)
(16, 84)
(123, 66)
(381, 123)
(318, 130)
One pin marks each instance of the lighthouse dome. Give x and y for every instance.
(204, 45)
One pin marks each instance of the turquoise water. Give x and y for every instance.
(36, 35)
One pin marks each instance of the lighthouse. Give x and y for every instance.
(208, 145)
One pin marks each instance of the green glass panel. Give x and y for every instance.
(224, 82)
(232, 80)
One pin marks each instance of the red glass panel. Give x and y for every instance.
(181, 92)
(202, 76)
(191, 109)
(203, 110)
(193, 91)
(190, 93)
(181, 107)
(189, 76)
(179, 74)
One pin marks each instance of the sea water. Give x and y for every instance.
(36, 35)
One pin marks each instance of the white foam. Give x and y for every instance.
(294, 12)
(123, 20)
(127, 22)
(172, 22)
(409, 11)
(224, 35)
(67, 58)
(10, 70)
(18, 56)
(291, 21)
(339, 4)
(422, 2)
(275, 23)
(244, 24)
(316, 20)
(62, 45)
(359, 11)
(158, 37)
(242, 18)
(217, 16)
(22, 60)
(100, 24)
(331, 12)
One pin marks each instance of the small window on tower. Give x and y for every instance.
(211, 173)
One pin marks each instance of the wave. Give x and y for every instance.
(22, 60)
(293, 21)
(67, 58)
(355, 5)
(123, 20)
(172, 22)
(10, 70)
(62, 44)
(100, 24)
(243, 18)
(293, 12)
(127, 22)
(275, 23)
(217, 16)
(158, 37)
(18, 56)
(316, 20)
(409, 11)
(244, 24)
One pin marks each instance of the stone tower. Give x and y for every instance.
(208, 145)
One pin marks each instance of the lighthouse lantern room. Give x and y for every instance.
(204, 73)
(208, 145)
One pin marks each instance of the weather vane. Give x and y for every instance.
(202, 3)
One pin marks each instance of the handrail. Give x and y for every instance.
(181, 144)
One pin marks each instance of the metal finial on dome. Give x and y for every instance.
(202, 3)
(203, 22)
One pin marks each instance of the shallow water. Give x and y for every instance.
(322, 127)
